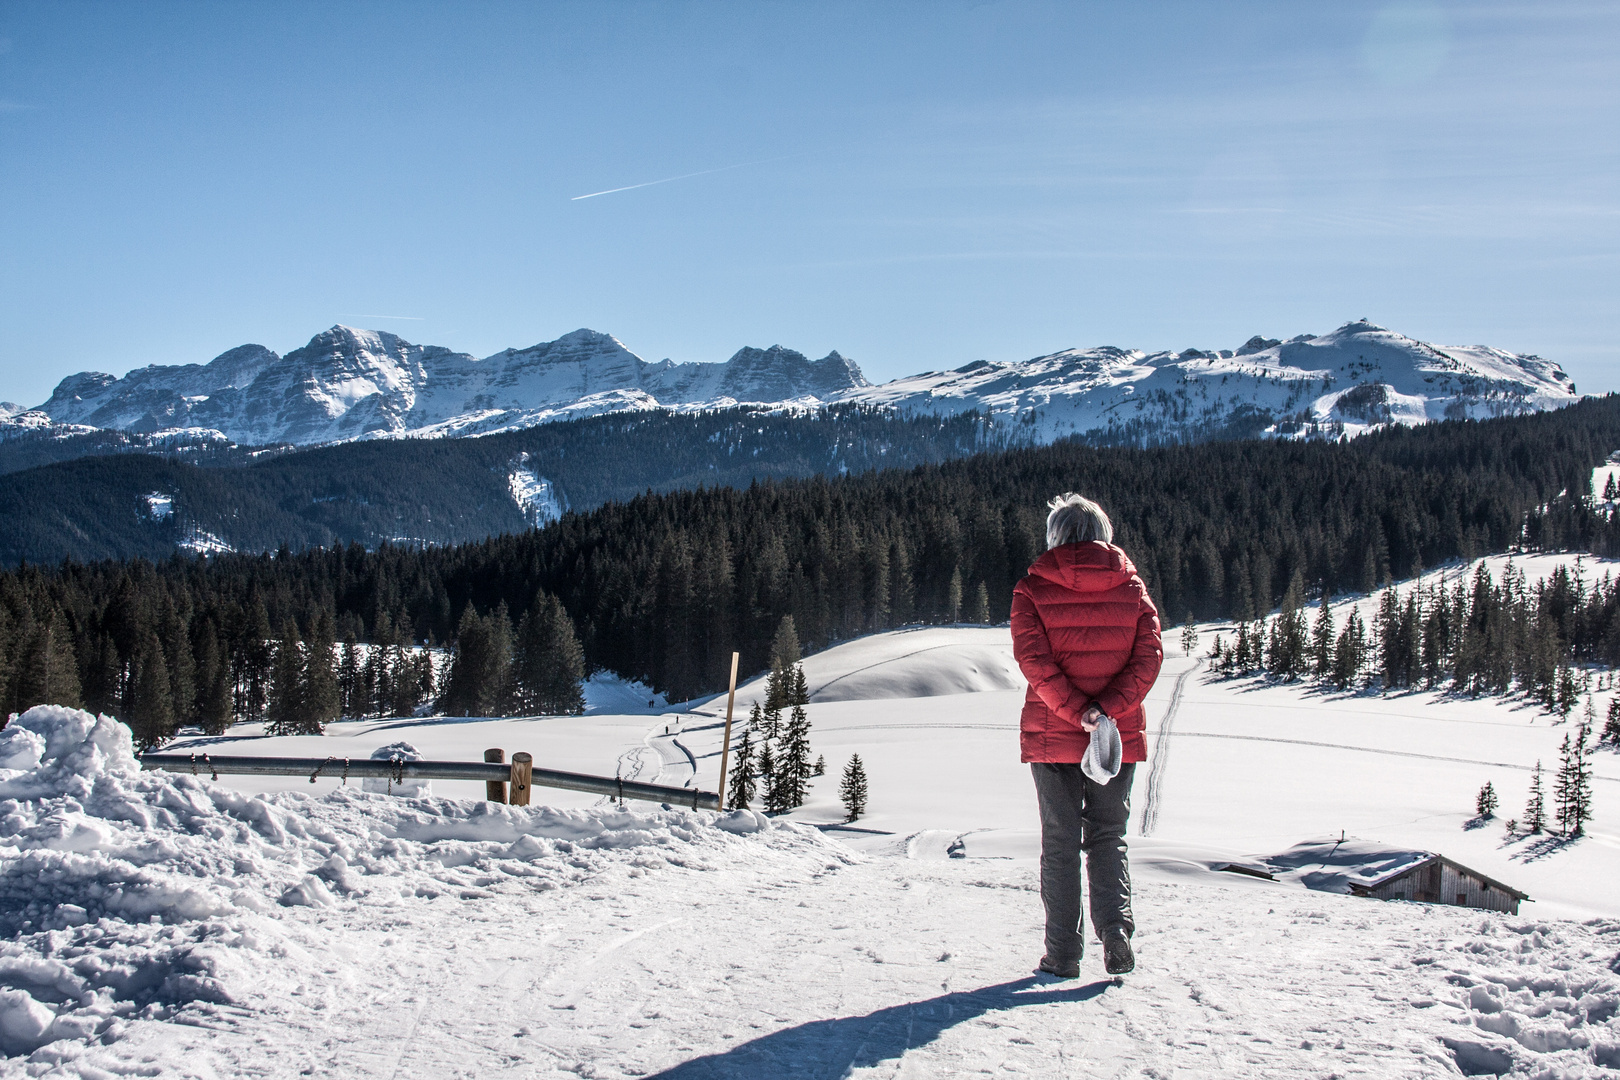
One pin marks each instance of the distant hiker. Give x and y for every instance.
(1087, 638)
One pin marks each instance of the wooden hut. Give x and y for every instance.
(1438, 880)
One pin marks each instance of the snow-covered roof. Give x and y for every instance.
(1351, 865)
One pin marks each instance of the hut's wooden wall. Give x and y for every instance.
(1454, 887)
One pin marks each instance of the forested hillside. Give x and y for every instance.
(434, 491)
(664, 586)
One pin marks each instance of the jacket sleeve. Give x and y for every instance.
(1130, 687)
(1033, 651)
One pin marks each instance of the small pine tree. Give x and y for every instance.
(1535, 809)
(1485, 801)
(821, 766)
(1610, 493)
(740, 785)
(1189, 635)
(1322, 641)
(981, 605)
(770, 788)
(1568, 692)
(852, 789)
(793, 765)
(1611, 727)
(1572, 790)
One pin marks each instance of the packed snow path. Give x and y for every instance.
(889, 967)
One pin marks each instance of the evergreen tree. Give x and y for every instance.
(151, 711)
(852, 789)
(1485, 801)
(1349, 654)
(954, 595)
(1322, 642)
(178, 658)
(252, 660)
(800, 694)
(770, 780)
(349, 679)
(981, 605)
(49, 671)
(284, 713)
(1535, 810)
(1572, 788)
(479, 673)
(740, 784)
(319, 702)
(784, 657)
(1189, 635)
(549, 665)
(821, 766)
(1611, 726)
(214, 712)
(1289, 644)
(1568, 693)
(793, 764)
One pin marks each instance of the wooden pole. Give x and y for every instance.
(522, 770)
(725, 743)
(495, 790)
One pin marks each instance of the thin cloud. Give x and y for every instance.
(683, 176)
(407, 318)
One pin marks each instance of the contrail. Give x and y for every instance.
(408, 318)
(683, 176)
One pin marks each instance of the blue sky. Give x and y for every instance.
(915, 185)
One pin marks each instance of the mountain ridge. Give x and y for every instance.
(347, 384)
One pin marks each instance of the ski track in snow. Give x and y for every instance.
(1161, 753)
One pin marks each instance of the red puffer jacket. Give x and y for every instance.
(1084, 631)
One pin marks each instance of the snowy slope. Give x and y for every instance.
(165, 925)
(350, 384)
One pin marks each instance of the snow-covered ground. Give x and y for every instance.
(319, 929)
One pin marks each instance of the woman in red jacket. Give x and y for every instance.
(1087, 638)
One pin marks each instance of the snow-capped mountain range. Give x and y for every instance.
(351, 384)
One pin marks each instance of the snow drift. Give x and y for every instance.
(128, 895)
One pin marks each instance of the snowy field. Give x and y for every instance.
(170, 925)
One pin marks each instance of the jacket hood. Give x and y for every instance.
(1089, 567)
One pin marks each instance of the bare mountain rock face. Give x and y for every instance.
(351, 384)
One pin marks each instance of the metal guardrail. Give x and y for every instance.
(333, 768)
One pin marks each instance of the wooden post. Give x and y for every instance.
(495, 790)
(522, 769)
(725, 742)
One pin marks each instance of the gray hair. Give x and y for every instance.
(1075, 519)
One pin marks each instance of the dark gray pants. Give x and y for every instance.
(1080, 815)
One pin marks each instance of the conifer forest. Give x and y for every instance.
(662, 587)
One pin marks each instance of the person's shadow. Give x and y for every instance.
(829, 1049)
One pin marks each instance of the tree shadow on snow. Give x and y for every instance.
(829, 1049)
(1540, 847)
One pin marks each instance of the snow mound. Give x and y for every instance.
(409, 787)
(1334, 865)
(129, 895)
(926, 662)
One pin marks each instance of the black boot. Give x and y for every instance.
(1117, 956)
(1070, 970)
